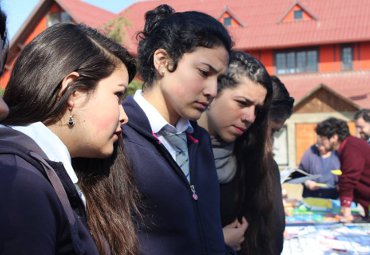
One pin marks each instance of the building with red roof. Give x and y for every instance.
(319, 49)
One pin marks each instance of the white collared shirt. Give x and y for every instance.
(51, 145)
(157, 122)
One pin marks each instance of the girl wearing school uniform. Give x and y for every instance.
(181, 55)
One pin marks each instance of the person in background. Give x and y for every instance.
(53, 94)
(362, 121)
(354, 156)
(237, 123)
(181, 55)
(318, 161)
(4, 110)
(280, 110)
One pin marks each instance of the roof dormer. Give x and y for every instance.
(229, 19)
(297, 12)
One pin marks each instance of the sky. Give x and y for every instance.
(18, 10)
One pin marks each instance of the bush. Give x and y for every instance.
(133, 86)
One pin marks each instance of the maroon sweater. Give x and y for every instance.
(354, 183)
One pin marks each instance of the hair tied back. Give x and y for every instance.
(153, 17)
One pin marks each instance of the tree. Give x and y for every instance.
(114, 29)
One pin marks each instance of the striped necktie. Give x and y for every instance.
(179, 144)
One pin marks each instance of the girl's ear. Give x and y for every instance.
(65, 84)
(160, 60)
(66, 81)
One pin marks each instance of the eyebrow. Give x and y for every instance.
(248, 100)
(211, 67)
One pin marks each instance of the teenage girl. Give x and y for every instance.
(181, 55)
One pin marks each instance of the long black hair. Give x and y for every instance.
(112, 201)
(253, 176)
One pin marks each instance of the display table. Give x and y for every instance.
(328, 239)
(314, 228)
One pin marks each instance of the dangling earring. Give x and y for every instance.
(71, 121)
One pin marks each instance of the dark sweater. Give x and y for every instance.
(173, 221)
(354, 183)
(277, 215)
(32, 218)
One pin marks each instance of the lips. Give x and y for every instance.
(202, 106)
(117, 133)
(240, 129)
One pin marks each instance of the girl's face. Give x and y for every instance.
(189, 90)
(234, 109)
(99, 116)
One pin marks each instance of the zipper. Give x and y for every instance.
(195, 196)
(202, 234)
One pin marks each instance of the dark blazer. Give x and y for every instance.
(32, 218)
(178, 217)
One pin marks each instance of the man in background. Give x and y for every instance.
(362, 121)
(354, 156)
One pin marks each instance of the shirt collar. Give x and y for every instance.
(50, 143)
(156, 120)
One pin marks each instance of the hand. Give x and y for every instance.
(4, 110)
(234, 233)
(311, 185)
(346, 214)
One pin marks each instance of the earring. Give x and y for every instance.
(71, 121)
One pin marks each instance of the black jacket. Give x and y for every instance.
(32, 217)
(173, 221)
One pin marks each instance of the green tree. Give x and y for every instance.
(114, 29)
(133, 86)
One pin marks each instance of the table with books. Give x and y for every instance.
(313, 226)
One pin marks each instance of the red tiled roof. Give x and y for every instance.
(335, 21)
(86, 13)
(354, 86)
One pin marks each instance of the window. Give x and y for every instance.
(298, 14)
(57, 17)
(298, 61)
(227, 21)
(347, 57)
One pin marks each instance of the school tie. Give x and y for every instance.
(179, 144)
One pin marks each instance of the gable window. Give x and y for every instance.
(298, 14)
(296, 61)
(227, 21)
(347, 57)
(57, 17)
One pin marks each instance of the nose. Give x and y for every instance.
(123, 119)
(210, 90)
(249, 114)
